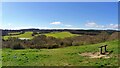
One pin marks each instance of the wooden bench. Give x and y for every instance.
(105, 49)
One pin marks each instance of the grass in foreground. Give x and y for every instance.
(67, 56)
(61, 34)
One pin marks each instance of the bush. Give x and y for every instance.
(17, 46)
(114, 36)
(102, 37)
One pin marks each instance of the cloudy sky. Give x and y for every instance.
(69, 15)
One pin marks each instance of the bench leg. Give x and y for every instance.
(105, 49)
(101, 51)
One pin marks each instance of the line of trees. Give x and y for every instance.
(19, 33)
(42, 41)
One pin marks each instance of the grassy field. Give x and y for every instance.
(53, 34)
(25, 35)
(61, 34)
(68, 56)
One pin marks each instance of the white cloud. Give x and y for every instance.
(91, 24)
(9, 24)
(68, 25)
(24, 27)
(60, 23)
(95, 25)
(56, 23)
(115, 26)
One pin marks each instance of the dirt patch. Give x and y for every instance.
(95, 55)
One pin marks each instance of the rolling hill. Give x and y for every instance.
(61, 34)
(25, 35)
(53, 34)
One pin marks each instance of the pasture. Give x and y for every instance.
(61, 34)
(53, 34)
(25, 35)
(68, 56)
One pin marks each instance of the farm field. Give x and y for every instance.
(61, 34)
(68, 56)
(25, 35)
(53, 34)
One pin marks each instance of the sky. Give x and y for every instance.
(60, 0)
(60, 15)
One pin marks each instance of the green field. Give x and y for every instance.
(53, 34)
(68, 56)
(61, 34)
(25, 35)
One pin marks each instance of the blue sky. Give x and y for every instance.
(60, 0)
(82, 15)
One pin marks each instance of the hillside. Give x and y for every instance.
(68, 56)
(53, 34)
(61, 34)
(25, 35)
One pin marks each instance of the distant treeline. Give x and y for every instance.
(42, 41)
(74, 31)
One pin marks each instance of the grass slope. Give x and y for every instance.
(25, 35)
(67, 56)
(61, 34)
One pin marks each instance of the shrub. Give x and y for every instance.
(17, 46)
(114, 36)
